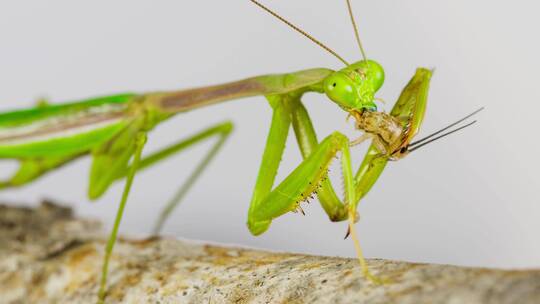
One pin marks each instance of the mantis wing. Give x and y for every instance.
(111, 158)
(62, 130)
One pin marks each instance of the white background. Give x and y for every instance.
(471, 199)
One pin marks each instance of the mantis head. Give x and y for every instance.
(354, 87)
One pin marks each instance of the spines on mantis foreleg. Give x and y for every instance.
(307, 142)
(309, 192)
(297, 186)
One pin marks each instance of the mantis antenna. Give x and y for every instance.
(300, 31)
(355, 27)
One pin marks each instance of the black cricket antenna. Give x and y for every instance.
(429, 139)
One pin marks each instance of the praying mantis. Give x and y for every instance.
(113, 131)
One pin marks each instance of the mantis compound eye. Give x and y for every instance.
(374, 73)
(341, 90)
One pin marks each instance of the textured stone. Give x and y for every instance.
(48, 256)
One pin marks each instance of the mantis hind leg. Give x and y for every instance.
(222, 130)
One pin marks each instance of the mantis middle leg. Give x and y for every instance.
(139, 143)
(221, 130)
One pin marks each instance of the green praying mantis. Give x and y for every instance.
(113, 131)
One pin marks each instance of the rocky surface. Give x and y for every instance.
(48, 256)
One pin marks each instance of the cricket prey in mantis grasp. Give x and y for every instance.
(113, 131)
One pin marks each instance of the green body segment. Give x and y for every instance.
(410, 108)
(48, 136)
(354, 87)
(310, 177)
(106, 127)
(113, 131)
(109, 129)
(411, 105)
(267, 85)
(69, 109)
(63, 145)
(62, 130)
(73, 128)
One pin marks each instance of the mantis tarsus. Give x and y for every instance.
(113, 131)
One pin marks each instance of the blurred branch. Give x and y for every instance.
(47, 255)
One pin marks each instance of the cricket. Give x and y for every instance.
(112, 130)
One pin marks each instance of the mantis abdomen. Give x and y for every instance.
(62, 130)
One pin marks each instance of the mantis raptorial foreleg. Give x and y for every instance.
(112, 129)
(275, 144)
(336, 210)
(308, 178)
(307, 142)
(302, 182)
